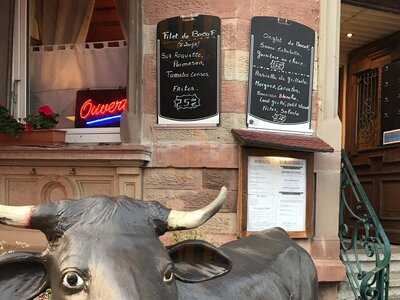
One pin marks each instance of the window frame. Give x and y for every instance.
(19, 79)
(132, 123)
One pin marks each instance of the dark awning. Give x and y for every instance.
(280, 141)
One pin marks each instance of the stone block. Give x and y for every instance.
(205, 155)
(235, 34)
(150, 84)
(316, 106)
(223, 133)
(220, 223)
(215, 178)
(235, 64)
(329, 291)
(157, 10)
(234, 97)
(161, 134)
(169, 178)
(149, 39)
(305, 12)
(189, 199)
(148, 122)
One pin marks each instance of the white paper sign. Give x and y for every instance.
(276, 192)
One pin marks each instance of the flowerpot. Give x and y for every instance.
(35, 137)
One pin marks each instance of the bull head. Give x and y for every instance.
(108, 248)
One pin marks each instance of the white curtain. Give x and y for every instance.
(58, 72)
(63, 21)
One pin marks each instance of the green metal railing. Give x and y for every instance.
(362, 238)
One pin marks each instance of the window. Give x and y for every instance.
(367, 100)
(62, 49)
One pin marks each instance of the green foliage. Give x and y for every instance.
(44, 119)
(8, 124)
(40, 121)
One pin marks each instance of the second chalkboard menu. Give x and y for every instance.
(188, 57)
(281, 75)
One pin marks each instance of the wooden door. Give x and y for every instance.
(377, 165)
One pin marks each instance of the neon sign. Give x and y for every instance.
(104, 121)
(100, 108)
(90, 109)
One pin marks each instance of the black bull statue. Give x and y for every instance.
(108, 248)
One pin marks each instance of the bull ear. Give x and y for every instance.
(197, 261)
(22, 275)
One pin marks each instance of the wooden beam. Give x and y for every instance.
(392, 6)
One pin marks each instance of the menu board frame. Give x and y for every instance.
(272, 105)
(245, 153)
(188, 71)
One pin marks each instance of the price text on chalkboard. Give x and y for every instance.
(281, 68)
(188, 70)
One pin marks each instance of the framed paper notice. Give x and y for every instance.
(276, 191)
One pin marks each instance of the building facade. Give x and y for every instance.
(184, 167)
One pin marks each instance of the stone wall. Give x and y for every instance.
(193, 188)
(189, 166)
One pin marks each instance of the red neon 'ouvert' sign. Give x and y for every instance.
(100, 107)
(90, 109)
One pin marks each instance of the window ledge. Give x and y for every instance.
(186, 127)
(91, 155)
(93, 135)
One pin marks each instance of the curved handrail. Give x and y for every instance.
(364, 235)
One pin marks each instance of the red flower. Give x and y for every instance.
(46, 111)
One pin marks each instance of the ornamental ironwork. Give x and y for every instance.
(367, 101)
(362, 238)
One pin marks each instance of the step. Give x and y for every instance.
(345, 292)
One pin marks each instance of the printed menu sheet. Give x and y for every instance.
(276, 189)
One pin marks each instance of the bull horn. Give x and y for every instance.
(192, 219)
(19, 216)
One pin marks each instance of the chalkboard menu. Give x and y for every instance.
(391, 103)
(188, 55)
(281, 75)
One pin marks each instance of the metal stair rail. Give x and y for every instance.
(362, 235)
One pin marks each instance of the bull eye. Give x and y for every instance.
(168, 275)
(73, 281)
